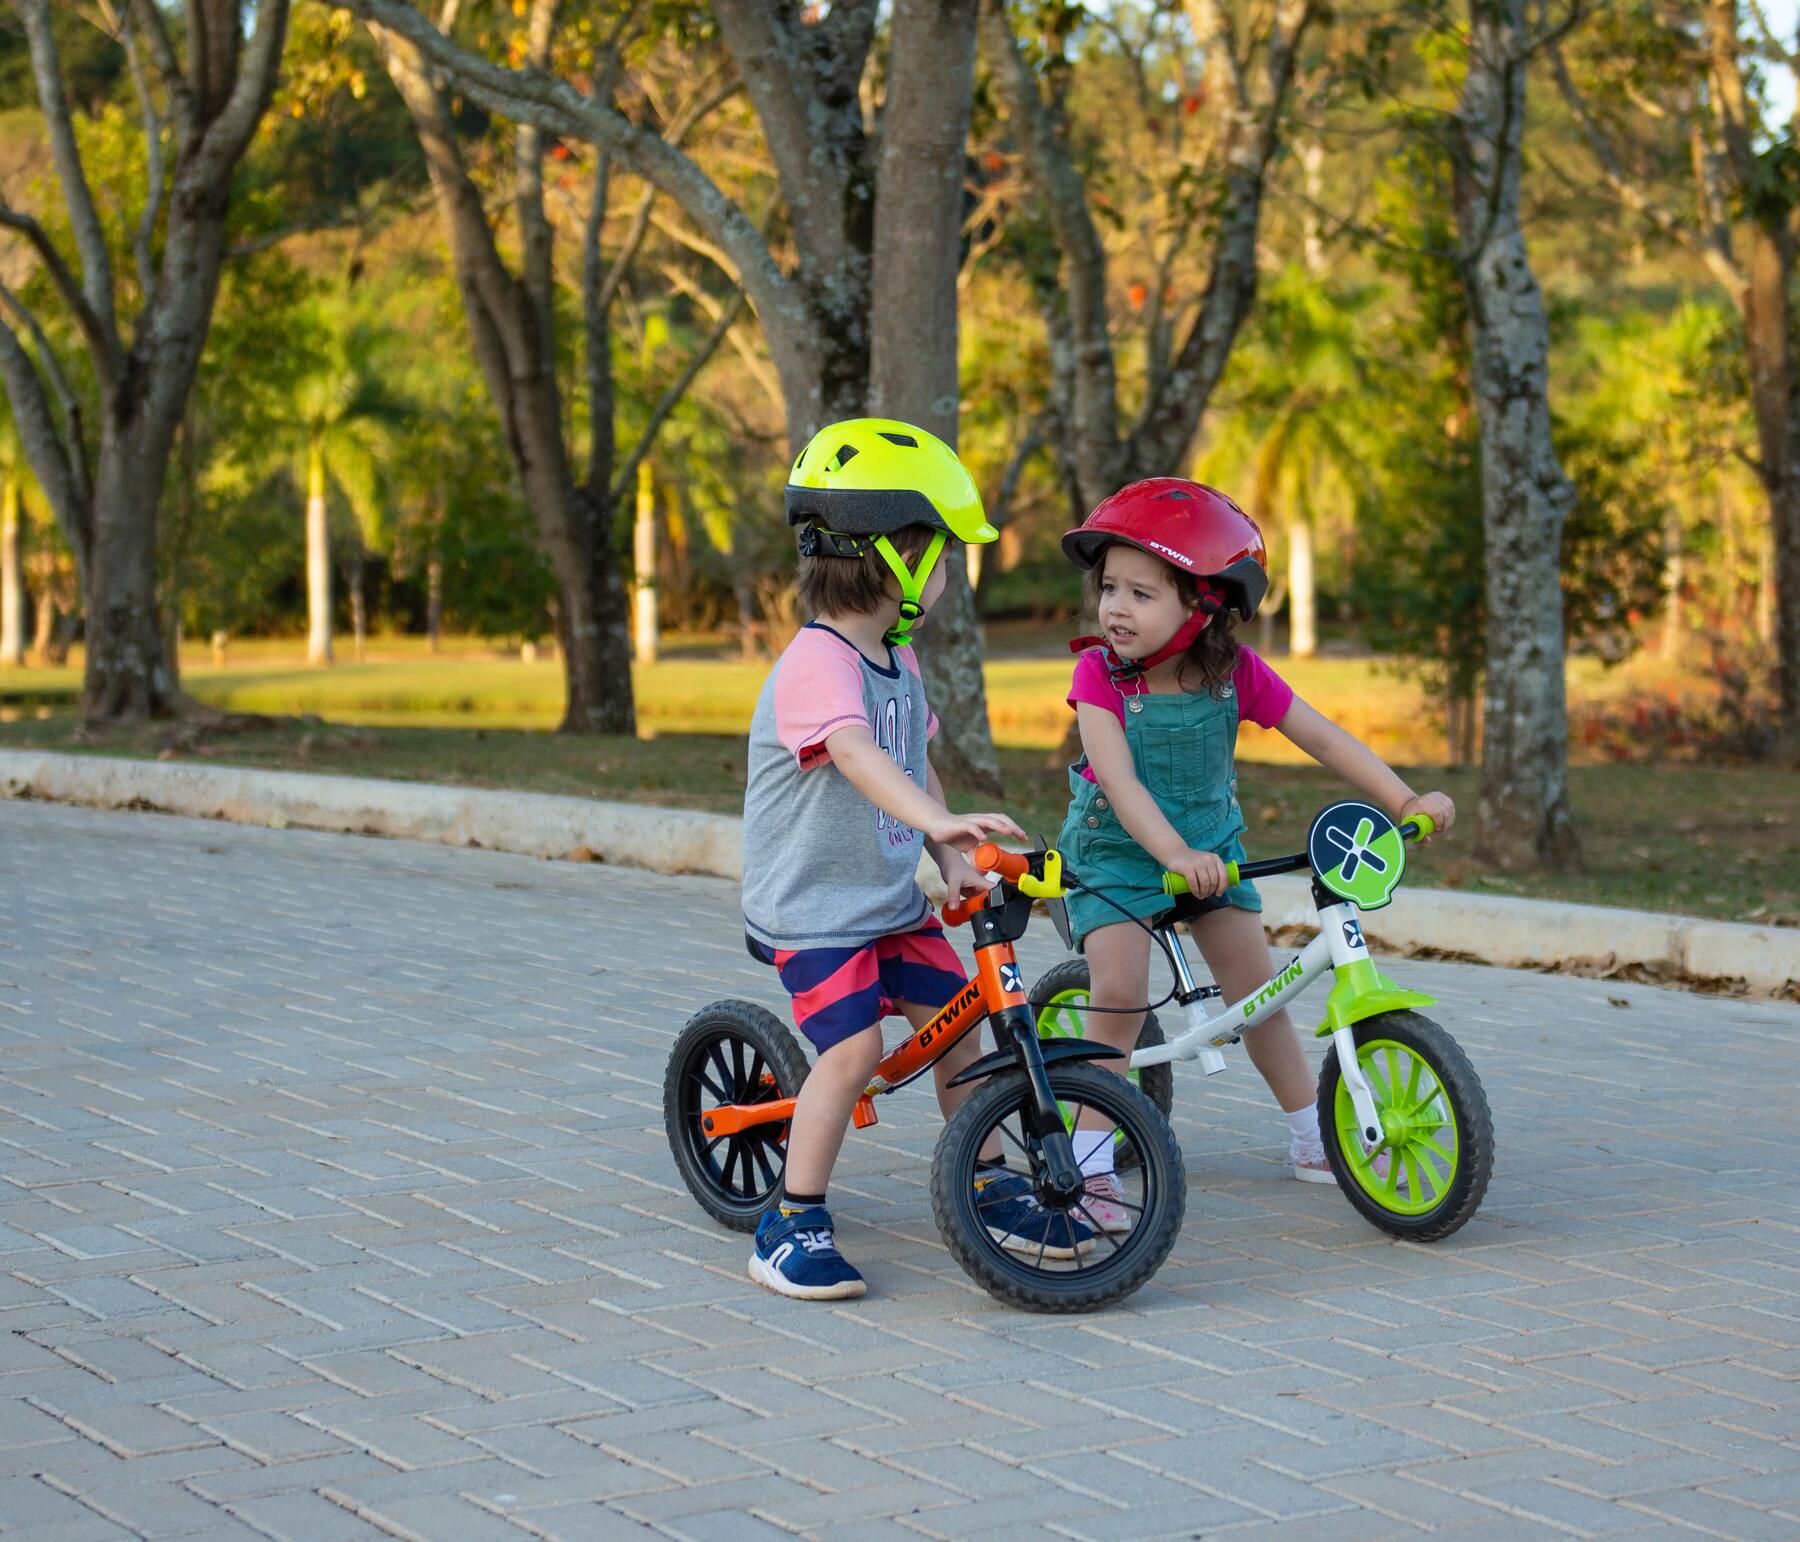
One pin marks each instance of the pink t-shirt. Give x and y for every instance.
(819, 689)
(1263, 697)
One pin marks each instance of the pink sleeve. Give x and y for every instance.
(818, 690)
(908, 658)
(1094, 685)
(1263, 696)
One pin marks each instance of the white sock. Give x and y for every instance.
(1304, 1125)
(1094, 1151)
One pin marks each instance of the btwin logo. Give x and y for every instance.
(1169, 551)
(970, 994)
(1273, 989)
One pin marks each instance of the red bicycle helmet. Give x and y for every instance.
(1193, 528)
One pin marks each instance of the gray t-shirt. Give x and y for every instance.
(823, 866)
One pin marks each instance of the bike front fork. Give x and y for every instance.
(1061, 1181)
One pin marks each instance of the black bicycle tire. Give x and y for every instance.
(1431, 1043)
(1003, 1275)
(771, 1039)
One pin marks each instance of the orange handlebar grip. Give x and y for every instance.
(955, 915)
(1008, 864)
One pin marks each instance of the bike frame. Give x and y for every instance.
(1339, 946)
(996, 988)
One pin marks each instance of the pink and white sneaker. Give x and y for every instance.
(1103, 1208)
(1310, 1165)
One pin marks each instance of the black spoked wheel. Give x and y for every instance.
(1014, 1239)
(730, 1052)
(1430, 1172)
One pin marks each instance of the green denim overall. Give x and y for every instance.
(1183, 748)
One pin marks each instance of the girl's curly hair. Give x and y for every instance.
(1212, 656)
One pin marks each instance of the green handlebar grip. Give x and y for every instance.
(1418, 826)
(1174, 884)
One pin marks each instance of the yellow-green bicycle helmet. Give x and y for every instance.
(858, 481)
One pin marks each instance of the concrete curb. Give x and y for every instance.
(1494, 929)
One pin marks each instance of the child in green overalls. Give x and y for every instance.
(1158, 697)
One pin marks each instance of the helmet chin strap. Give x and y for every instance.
(1129, 669)
(912, 585)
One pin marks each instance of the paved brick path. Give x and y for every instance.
(334, 1204)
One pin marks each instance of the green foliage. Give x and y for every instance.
(93, 67)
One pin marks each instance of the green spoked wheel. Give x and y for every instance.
(1060, 999)
(1430, 1172)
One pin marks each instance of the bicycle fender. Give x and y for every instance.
(1362, 991)
(1054, 1051)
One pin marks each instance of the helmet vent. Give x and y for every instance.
(905, 439)
(1174, 495)
(846, 453)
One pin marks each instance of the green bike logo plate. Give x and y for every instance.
(1357, 853)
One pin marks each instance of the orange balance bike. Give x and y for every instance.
(736, 1070)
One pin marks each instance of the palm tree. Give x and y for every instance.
(343, 409)
(1296, 393)
(12, 567)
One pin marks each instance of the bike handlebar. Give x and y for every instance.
(1011, 865)
(1014, 865)
(1415, 827)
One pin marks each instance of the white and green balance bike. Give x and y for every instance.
(1402, 1113)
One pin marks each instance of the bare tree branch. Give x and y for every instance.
(753, 361)
(1774, 44)
(44, 447)
(250, 246)
(558, 106)
(74, 428)
(1042, 429)
(229, 133)
(98, 314)
(678, 233)
(1092, 419)
(536, 238)
(779, 73)
(1167, 426)
(1629, 191)
(103, 349)
(149, 23)
(153, 163)
(672, 396)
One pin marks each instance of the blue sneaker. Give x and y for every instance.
(1016, 1220)
(796, 1255)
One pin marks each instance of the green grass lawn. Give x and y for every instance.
(1719, 842)
(692, 689)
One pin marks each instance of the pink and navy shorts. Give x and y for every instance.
(838, 992)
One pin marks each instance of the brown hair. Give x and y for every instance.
(858, 586)
(1211, 657)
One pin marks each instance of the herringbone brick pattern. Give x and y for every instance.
(335, 1204)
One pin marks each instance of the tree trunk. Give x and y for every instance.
(643, 552)
(1674, 576)
(1303, 640)
(1768, 325)
(359, 609)
(12, 578)
(913, 348)
(43, 625)
(318, 557)
(508, 330)
(434, 602)
(130, 676)
(1765, 591)
(1524, 815)
(594, 629)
